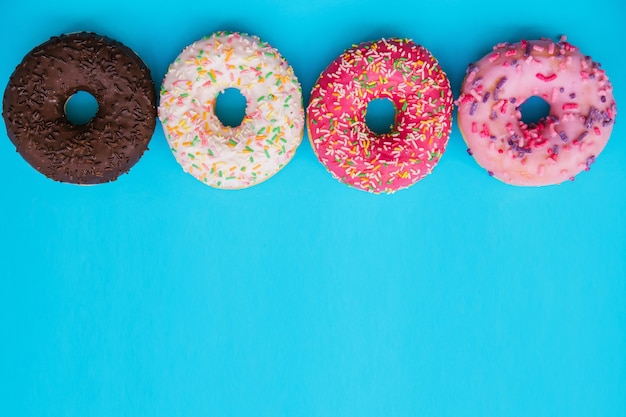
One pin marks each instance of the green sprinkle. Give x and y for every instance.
(267, 154)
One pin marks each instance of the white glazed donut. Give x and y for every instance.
(267, 138)
(566, 142)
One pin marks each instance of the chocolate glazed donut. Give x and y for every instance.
(111, 142)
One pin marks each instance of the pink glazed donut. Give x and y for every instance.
(412, 79)
(558, 147)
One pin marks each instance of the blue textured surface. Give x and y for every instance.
(461, 296)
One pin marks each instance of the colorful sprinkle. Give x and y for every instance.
(194, 132)
(411, 78)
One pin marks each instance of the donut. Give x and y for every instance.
(559, 146)
(394, 69)
(222, 156)
(111, 142)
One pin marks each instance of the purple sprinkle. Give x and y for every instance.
(490, 173)
(581, 136)
(555, 149)
(477, 81)
(572, 96)
(513, 141)
(590, 118)
(473, 108)
(603, 99)
(563, 136)
(492, 137)
(561, 90)
(555, 120)
(500, 83)
(493, 115)
(469, 152)
(471, 68)
(495, 95)
(486, 96)
(527, 52)
(513, 100)
(591, 160)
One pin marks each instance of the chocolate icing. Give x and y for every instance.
(113, 140)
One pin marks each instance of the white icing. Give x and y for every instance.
(271, 130)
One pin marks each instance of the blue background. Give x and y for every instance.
(156, 295)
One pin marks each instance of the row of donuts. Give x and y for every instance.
(555, 149)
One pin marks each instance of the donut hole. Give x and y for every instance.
(534, 110)
(230, 107)
(380, 116)
(80, 108)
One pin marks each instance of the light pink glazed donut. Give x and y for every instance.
(558, 147)
(412, 79)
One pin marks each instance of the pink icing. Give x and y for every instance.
(582, 112)
(411, 78)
